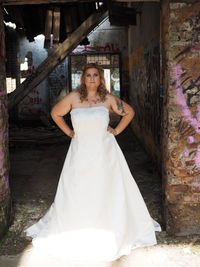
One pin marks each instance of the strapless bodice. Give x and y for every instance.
(90, 121)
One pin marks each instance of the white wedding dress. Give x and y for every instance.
(98, 213)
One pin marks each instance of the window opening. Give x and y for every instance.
(109, 62)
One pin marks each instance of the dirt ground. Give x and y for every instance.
(36, 158)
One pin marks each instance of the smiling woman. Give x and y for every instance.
(98, 213)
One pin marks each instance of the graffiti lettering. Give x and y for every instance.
(98, 48)
(146, 79)
(31, 103)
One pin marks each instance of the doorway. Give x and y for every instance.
(109, 62)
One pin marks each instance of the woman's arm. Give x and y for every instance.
(61, 109)
(123, 109)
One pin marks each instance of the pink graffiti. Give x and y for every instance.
(197, 158)
(180, 100)
(195, 50)
(190, 140)
(186, 153)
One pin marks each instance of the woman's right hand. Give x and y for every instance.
(59, 110)
(71, 134)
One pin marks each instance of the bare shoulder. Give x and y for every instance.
(110, 98)
(71, 97)
(64, 105)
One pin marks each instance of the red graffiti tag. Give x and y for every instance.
(98, 48)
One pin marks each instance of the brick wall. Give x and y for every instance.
(181, 117)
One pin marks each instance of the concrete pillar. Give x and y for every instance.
(181, 116)
(5, 203)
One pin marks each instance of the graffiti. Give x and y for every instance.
(195, 49)
(108, 48)
(192, 89)
(146, 93)
(194, 121)
(190, 29)
(152, 94)
(57, 82)
(180, 99)
(34, 98)
(187, 82)
(186, 153)
(190, 140)
(31, 104)
(197, 158)
(193, 84)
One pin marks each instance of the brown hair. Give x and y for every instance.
(102, 91)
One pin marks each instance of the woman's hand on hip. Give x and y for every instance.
(112, 130)
(71, 134)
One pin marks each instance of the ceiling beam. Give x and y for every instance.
(37, 2)
(56, 57)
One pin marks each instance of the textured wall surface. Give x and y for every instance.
(35, 104)
(4, 180)
(38, 103)
(181, 135)
(144, 71)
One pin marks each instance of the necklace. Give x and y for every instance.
(93, 101)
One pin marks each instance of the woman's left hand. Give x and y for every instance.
(112, 130)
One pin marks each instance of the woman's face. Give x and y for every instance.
(92, 78)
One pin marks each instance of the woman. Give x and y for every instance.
(98, 213)
(92, 93)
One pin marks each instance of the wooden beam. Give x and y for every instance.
(37, 2)
(56, 57)
(48, 27)
(56, 25)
